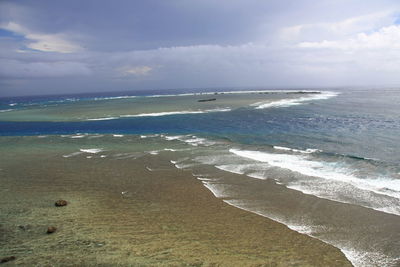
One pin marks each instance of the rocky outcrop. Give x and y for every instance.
(51, 229)
(61, 203)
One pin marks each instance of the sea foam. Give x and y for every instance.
(307, 151)
(103, 119)
(169, 113)
(190, 139)
(92, 150)
(337, 180)
(72, 154)
(159, 114)
(294, 101)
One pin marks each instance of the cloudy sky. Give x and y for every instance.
(52, 47)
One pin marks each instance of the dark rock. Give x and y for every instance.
(61, 203)
(7, 259)
(206, 100)
(51, 229)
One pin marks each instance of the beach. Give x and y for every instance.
(134, 211)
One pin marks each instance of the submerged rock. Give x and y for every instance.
(61, 203)
(7, 259)
(51, 229)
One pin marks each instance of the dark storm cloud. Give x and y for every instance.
(57, 46)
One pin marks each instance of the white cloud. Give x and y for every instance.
(256, 64)
(385, 38)
(339, 29)
(43, 42)
(367, 22)
(51, 43)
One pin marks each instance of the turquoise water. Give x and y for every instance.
(325, 164)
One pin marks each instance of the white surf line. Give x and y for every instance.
(77, 136)
(294, 101)
(168, 113)
(72, 154)
(307, 151)
(103, 119)
(149, 136)
(176, 149)
(191, 140)
(328, 172)
(92, 150)
(114, 97)
(158, 114)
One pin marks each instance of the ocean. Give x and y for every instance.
(325, 163)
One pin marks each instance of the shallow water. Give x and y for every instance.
(324, 164)
(111, 108)
(128, 205)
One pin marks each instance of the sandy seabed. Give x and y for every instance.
(164, 217)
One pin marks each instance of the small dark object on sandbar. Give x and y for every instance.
(51, 229)
(206, 100)
(61, 203)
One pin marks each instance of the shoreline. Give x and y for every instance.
(165, 217)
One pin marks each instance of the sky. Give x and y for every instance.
(74, 46)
